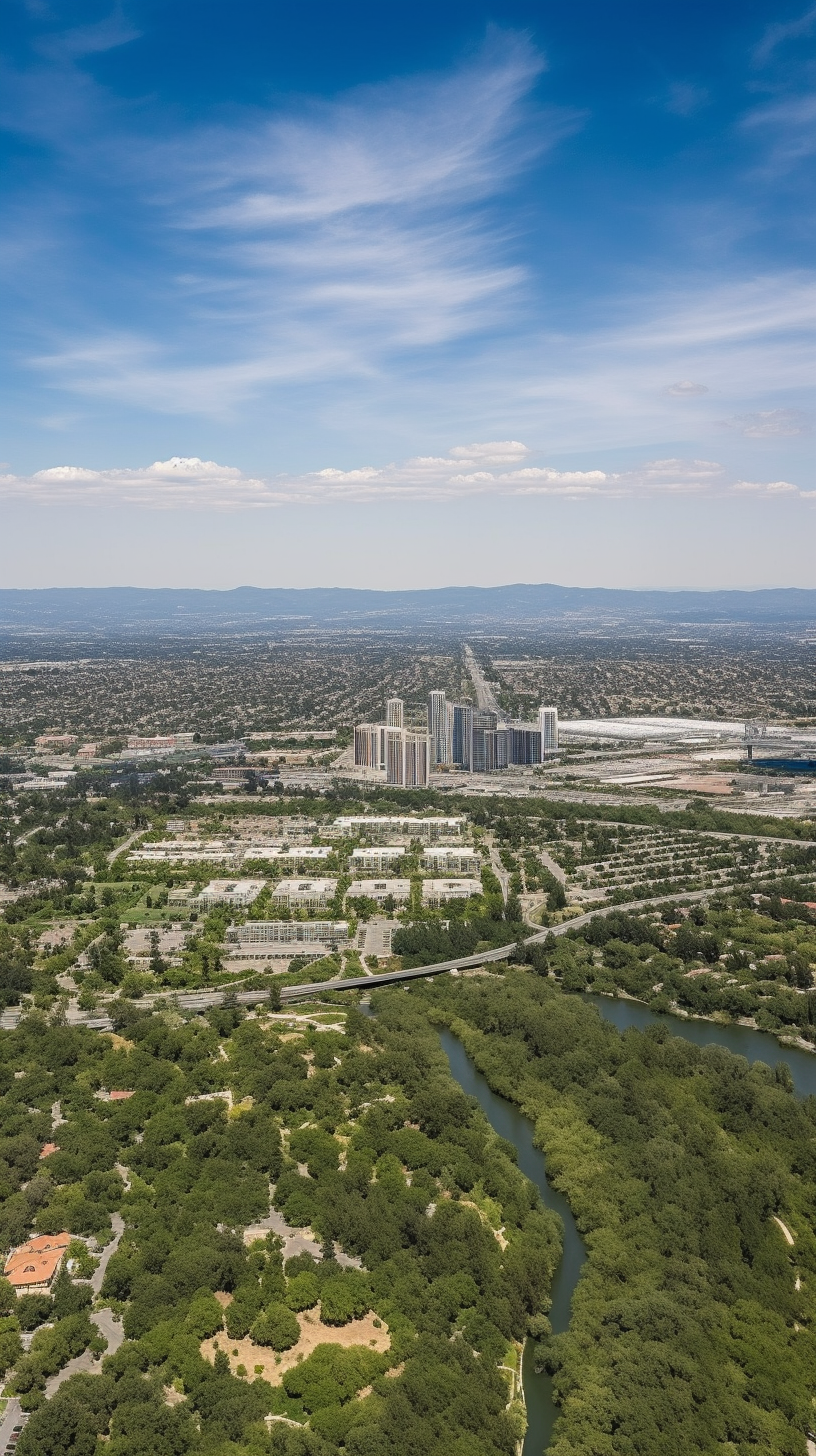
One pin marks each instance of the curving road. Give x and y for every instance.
(203, 1000)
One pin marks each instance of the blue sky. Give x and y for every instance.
(408, 294)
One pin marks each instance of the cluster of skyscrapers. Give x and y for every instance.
(457, 736)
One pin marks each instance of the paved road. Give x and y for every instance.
(23, 837)
(553, 866)
(13, 1417)
(87, 1363)
(202, 1000)
(120, 848)
(485, 697)
(499, 871)
(118, 1226)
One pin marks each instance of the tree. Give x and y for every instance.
(11, 1346)
(277, 1327)
(344, 1297)
(205, 1316)
(303, 1291)
(33, 1310)
(64, 1426)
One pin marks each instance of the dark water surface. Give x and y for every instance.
(755, 1046)
(505, 1119)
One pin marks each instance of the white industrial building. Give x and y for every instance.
(436, 892)
(304, 894)
(379, 890)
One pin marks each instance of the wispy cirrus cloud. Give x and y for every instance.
(768, 424)
(323, 240)
(185, 483)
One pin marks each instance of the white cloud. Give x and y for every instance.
(190, 483)
(686, 388)
(598, 389)
(492, 452)
(770, 487)
(764, 423)
(782, 31)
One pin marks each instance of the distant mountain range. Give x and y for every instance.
(117, 610)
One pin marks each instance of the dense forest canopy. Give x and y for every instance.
(693, 1320)
(363, 1135)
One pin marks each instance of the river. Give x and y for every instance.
(506, 1119)
(744, 1041)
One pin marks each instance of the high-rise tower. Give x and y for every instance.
(548, 723)
(438, 727)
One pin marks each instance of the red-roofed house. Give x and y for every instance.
(48, 1149)
(31, 1268)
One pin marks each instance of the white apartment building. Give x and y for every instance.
(416, 760)
(161, 740)
(304, 894)
(435, 892)
(401, 752)
(380, 890)
(290, 855)
(187, 851)
(384, 826)
(229, 892)
(287, 932)
(369, 746)
(379, 857)
(451, 860)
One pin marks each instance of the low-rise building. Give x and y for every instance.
(187, 851)
(229, 892)
(231, 774)
(160, 740)
(377, 857)
(259, 932)
(181, 894)
(410, 826)
(289, 854)
(54, 742)
(31, 1268)
(380, 890)
(304, 894)
(435, 892)
(451, 860)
